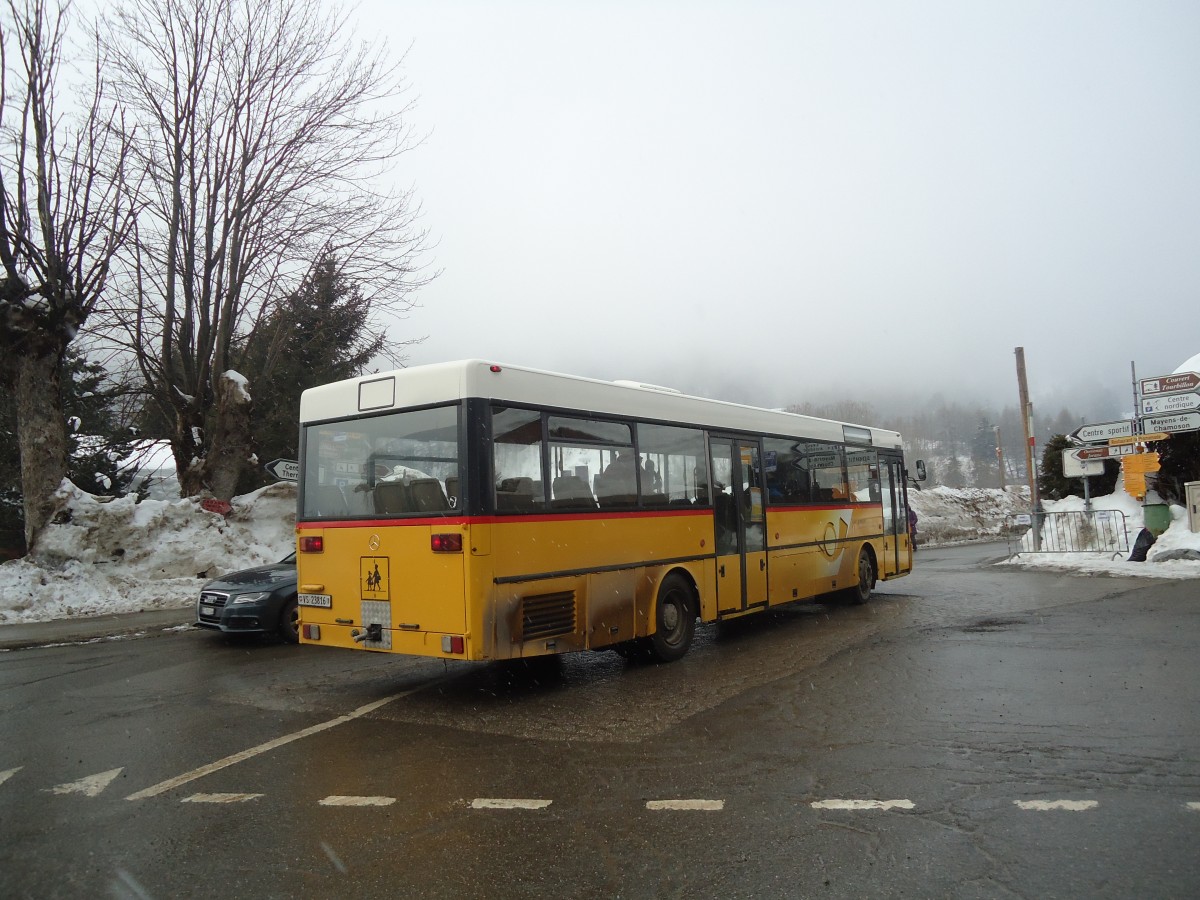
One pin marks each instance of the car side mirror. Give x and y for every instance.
(921, 473)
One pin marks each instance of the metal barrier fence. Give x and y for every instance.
(1099, 531)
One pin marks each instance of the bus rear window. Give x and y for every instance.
(399, 464)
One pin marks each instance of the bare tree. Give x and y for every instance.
(263, 133)
(62, 217)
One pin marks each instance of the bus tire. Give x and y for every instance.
(861, 592)
(675, 619)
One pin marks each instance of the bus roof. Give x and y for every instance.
(462, 379)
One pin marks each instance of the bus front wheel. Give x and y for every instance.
(861, 592)
(675, 618)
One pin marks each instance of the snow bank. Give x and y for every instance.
(1176, 538)
(107, 556)
(950, 515)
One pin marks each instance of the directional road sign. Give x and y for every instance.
(1170, 403)
(1104, 431)
(1084, 454)
(1170, 384)
(1173, 424)
(1074, 467)
(284, 469)
(1141, 438)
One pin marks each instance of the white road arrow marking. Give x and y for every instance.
(91, 786)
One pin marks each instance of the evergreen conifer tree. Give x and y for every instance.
(318, 335)
(1052, 483)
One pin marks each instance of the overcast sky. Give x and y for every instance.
(764, 202)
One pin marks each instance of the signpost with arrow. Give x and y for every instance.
(1103, 431)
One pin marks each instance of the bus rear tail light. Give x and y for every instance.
(311, 632)
(312, 544)
(453, 643)
(445, 543)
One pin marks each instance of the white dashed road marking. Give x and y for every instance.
(1193, 806)
(707, 805)
(220, 798)
(863, 804)
(1072, 805)
(9, 773)
(90, 786)
(497, 803)
(169, 784)
(357, 801)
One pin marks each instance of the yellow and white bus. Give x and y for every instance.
(479, 511)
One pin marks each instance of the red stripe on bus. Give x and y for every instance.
(560, 517)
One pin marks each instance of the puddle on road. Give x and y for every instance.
(992, 624)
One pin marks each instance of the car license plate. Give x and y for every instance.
(206, 610)
(324, 600)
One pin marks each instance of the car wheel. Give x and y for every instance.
(289, 621)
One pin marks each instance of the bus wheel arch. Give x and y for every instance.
(675, 610)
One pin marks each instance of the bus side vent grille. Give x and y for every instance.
(546, 615)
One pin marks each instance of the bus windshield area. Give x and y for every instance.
(398, 464)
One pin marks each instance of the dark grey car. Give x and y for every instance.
(261, 600)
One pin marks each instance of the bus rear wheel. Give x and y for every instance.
(675, 619)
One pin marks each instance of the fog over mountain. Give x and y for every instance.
(771, 202)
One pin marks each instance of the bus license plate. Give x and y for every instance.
(323, 600)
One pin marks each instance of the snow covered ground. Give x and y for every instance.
(120, 556)
(954, 515)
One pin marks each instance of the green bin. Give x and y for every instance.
(1157, 517)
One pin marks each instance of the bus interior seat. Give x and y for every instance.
(515, 494)
(391, 497)
(357, 502)
(571, 492)
(427, 495)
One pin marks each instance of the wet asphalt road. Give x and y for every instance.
(962, 699)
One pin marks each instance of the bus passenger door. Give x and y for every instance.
(739, 523)
(896, 557)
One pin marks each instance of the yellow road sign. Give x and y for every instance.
(1138, 439)
(1135, 484)
(1140, 462)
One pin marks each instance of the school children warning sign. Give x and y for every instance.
(373, 579)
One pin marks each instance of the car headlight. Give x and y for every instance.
(251, 598)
